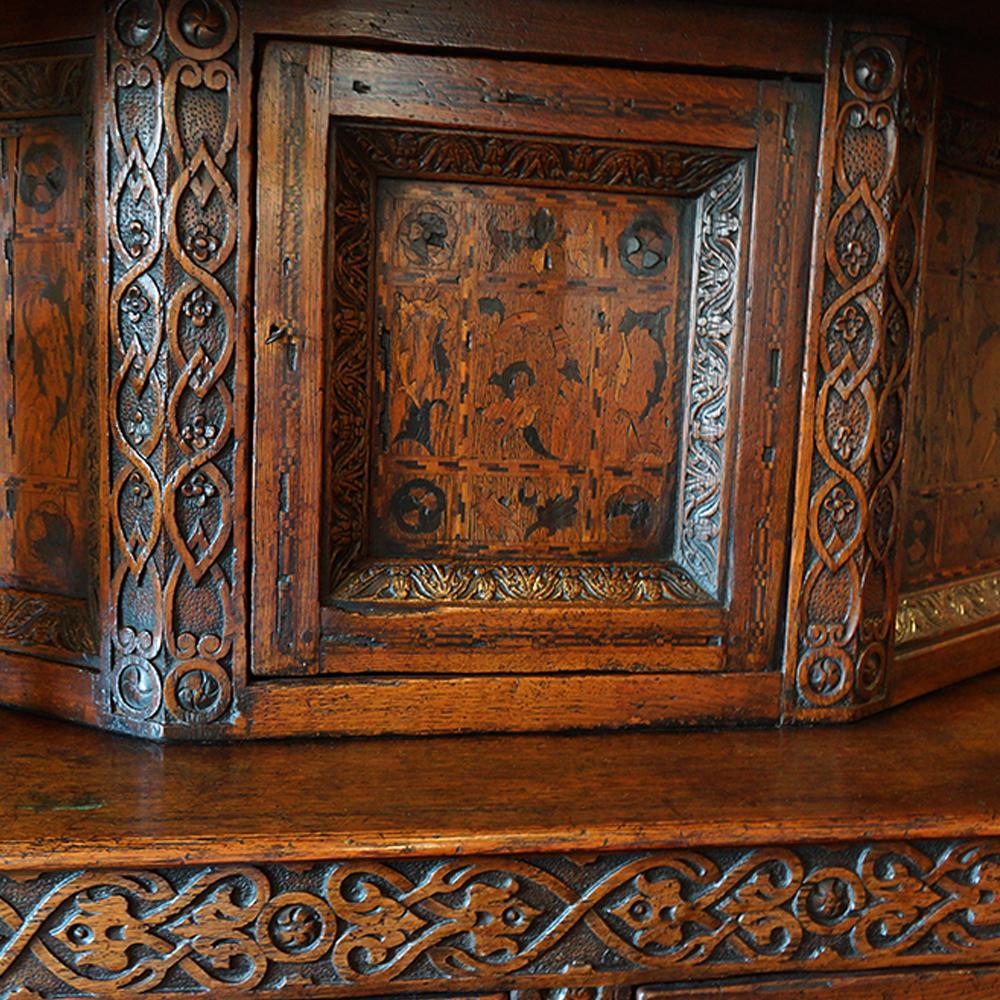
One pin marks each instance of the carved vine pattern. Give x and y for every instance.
(171, 135)
(364, 154)
(542, 920)
(845, 601)
(930, 613)
(703, 478)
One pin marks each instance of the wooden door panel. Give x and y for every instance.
(508, 435)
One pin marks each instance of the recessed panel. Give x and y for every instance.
(529, 374)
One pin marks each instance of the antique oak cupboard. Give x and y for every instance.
(411, 369)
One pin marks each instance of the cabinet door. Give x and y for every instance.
(527, 352)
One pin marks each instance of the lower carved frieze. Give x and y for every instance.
(545, 925)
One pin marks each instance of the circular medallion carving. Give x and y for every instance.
(425, 236)
(202, 29)
(137, 25)
(295, 927)
(824, 676)
(872, 68)
(137, 687)
(198, 692)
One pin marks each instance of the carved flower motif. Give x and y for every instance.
(839, 505)
(135, 303)
(139, 428)
(296, 927)
(656, 912)
(200, 488)
(138, 239)
(199, 307)
(849, 323)
(199, 433)
(854, 258)
(139, 486)
(103, 933)
(829, 900)
(843, 439)
(201, 243)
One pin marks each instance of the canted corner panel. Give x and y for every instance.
(526, 337)
(844, 582)
(540, 922)
(171, 95)
(49, 526)
(951, 505)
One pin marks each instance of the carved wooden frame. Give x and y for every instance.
(717, 179)
(535, 922)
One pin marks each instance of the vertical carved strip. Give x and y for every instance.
(714, 309)
(844, 582)
(172, 228)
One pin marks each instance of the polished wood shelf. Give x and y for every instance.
(930, 768)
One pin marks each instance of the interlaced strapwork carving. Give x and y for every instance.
(844, 592)
(172, 225)
(546, 920)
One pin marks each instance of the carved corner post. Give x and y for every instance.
(844, 580)
(168, 189)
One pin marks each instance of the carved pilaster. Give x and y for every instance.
(867, 267)
(171, 219)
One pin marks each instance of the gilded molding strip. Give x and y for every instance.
(844, 583)
(172, 228)
(539, 921)
(492, 582)
(929, 613)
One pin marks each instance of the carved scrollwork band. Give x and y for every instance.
(969, 138)
(927, 614)
(551, 920)
(50, 85)
(843, 593)
(603, 584)
(171, 135)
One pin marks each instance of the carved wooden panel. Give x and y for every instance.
(952, 505)
(844, 585)
(540, 397)
(553, 923)
(171, 169)
(533, 357)
(48, 512)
